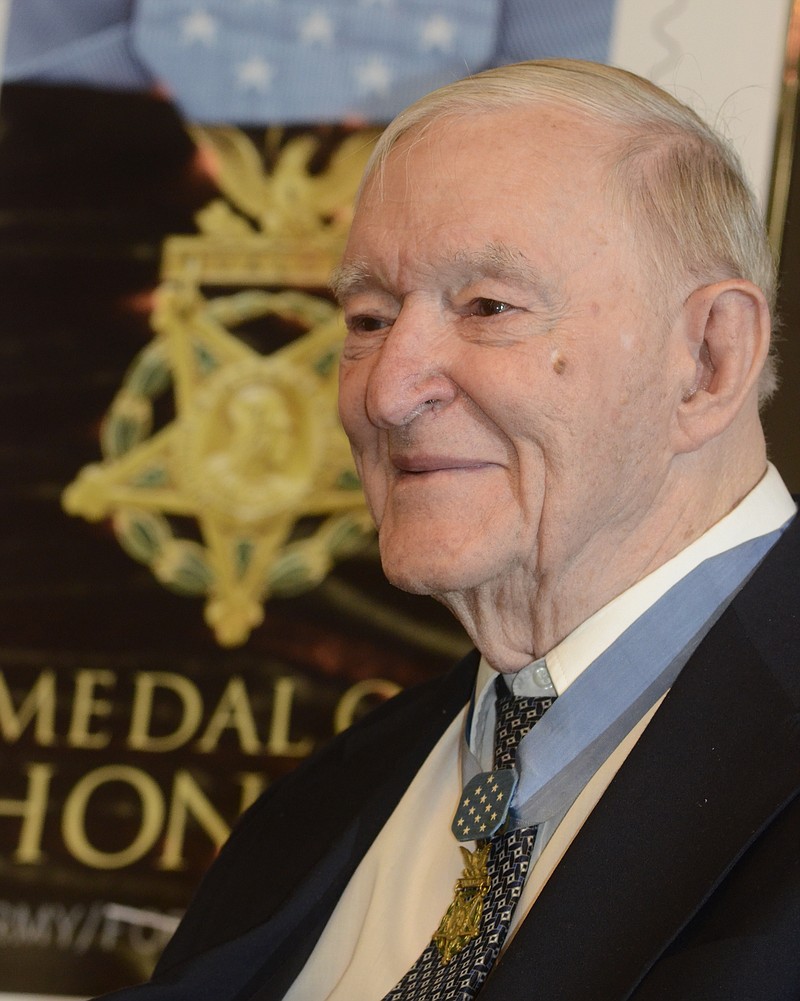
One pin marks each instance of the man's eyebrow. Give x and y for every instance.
(350, 278)
(496, 260)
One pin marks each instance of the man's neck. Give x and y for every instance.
(522, 617)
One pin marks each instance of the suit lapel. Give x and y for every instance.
(718, 761)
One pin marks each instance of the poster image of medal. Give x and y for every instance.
(485, 801)
(245, 350)
(170, 370)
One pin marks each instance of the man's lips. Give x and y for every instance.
(436, 463)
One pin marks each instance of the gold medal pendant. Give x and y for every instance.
(462, 921)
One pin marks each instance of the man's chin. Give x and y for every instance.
(422, 577)
(403, 579)
(429, 562)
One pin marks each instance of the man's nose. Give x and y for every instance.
(410, 374)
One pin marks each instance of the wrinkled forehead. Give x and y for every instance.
(545, 130)
(540, 173)
(500, 177)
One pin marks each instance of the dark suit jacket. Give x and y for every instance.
(684, 882)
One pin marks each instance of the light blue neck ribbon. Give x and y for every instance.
(585, 724)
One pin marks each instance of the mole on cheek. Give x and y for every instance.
(558, 362)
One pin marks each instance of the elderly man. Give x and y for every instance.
(557, 294)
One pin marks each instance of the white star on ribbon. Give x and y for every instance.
(374, 76)
(437, 33)
(317, 27)
(199, 26)
(255, 74)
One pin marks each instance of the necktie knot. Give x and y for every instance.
(516, 716)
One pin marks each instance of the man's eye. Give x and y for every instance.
(365, 324)
(489, 307)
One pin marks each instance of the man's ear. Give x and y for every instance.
(724, 334)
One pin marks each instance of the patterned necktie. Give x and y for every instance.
(506, 859)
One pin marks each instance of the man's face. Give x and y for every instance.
(504, 382)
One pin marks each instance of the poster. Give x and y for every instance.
(132, 734)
